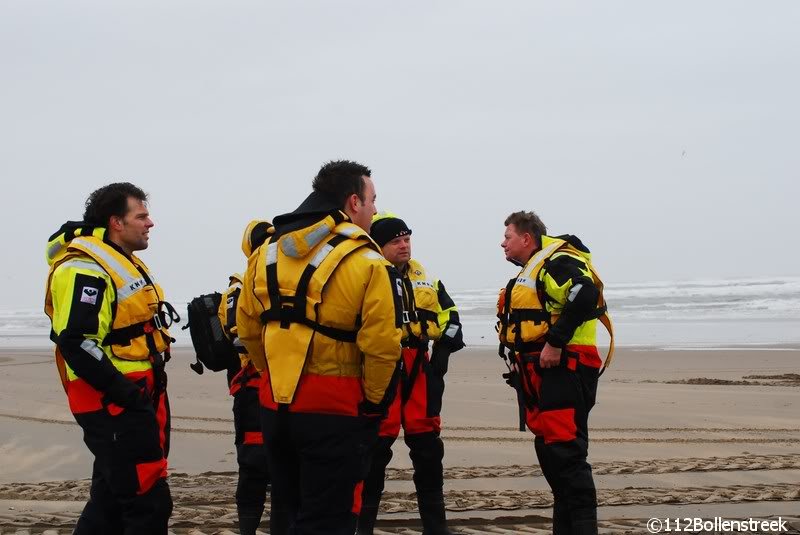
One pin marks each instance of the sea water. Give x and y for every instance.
(673, 314)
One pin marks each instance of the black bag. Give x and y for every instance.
(213, 348)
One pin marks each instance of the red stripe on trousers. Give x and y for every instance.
(554, 425)
(149, 473)
(413, 414)
(84, 398)
(357, 497)
(253, 437)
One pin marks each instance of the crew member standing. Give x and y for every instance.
(109, 322)
(431, 316)
(548, 318)
(319, 314)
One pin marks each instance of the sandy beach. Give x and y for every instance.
(675, 434)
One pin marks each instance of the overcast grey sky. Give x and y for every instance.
(665, 134)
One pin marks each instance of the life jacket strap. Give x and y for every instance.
(288, 315)
(288, 310)
(535, 315)
(164, 318)
(124, 335)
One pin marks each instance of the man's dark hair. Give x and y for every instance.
(527, 222)
(110, 200)
(339, 179)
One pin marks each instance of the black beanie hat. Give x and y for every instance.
(385, 230)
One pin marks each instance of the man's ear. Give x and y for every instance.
(528, 239)
(352, 202)
(114, 222)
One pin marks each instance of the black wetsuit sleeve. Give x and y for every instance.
(452, 335)
(78, 340)
(581, 297)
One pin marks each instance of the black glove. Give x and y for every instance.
(128, 394)
(440, 358)
(512, 378)
(373, 411)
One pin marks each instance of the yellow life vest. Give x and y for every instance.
(298, 266)
(138, 329)
(423, 312)
(525, 314)
(227, 316)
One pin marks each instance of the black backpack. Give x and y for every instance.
(213, 348)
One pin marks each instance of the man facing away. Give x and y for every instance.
(243, 382)
(320, 316)
(548, 317)
(109, 322)
(431, 316)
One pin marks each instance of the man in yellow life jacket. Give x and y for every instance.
(243, 382)
(548, 317)
(109, 322)
(430, 316)
(320, 316)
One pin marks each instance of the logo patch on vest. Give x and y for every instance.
(229, 302)
(398, 284)
(89, 295)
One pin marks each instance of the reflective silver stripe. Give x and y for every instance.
(348, 231)
(131, 287)
(538, 257)
(573, 292)
(128, 281)
(289, 247)
(271, 253)
(83, 264)
(53, 249)
(321, 255)
(317, 235)
(372, 255)
(90, 346)
(524, 281)
(452, 330)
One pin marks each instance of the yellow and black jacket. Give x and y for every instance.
(430, 313)
(109, 317)
(557, 298)
(320, 313)
(244, 372)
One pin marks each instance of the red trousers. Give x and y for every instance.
(418, 402)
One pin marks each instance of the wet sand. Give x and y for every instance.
(697, 433)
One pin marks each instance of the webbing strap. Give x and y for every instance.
(535, 315)
(302, 286)
(280, 308)
(605, 319)
(408, 382)
(124, 335)
(289, 315)
(504, 319)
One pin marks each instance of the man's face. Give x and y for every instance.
(132, 230)
(363, 210)
(516, 246)
(398, 250)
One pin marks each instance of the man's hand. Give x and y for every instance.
(127, 394)
(550, 357)
(511, 378)
(373, 411)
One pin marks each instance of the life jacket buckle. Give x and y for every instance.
(406, 317)
(157, 321)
